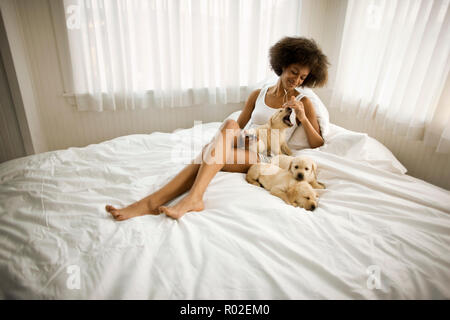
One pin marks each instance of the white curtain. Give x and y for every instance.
(393, 66)
(139, 53)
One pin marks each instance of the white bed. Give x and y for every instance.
(372, 220)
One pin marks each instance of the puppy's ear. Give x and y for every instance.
(290, 166)
(314, 168)
(291, 193)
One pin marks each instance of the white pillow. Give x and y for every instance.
(360, 147)
(381, 157)
(298, 140)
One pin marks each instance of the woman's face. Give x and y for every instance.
(294, 75)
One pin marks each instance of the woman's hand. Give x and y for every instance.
(298, 107)
(246, 138)
(310, 124)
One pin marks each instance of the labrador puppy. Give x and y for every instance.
(280, 182)
(302, 168)
(270, 138)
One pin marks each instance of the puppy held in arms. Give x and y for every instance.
(302, 168)
(281, 183)
(270, 138)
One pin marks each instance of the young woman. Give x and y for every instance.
(297, 62)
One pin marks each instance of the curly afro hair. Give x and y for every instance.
(303, 51)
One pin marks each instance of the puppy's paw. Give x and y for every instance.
(318, 185)
(286, 150)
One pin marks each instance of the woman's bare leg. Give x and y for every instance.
(220, 151)
(182, 182)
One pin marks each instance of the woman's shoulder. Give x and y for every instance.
(305, 100)
(251, 100)
(255, 93)
(253, 96)
(307, 103)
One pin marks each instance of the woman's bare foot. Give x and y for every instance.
(188, 203)
(136, 209)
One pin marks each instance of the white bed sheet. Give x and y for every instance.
(246, 244)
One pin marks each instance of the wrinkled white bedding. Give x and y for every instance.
(373, 223)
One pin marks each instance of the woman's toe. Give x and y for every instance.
(162, 209)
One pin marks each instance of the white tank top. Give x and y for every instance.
(262, 112)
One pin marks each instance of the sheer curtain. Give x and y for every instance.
(394, 65)
(139, 53)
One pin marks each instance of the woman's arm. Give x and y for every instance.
(246, 113)
(311, 125)
(306, 115)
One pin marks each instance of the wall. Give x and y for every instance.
(323, 20)
(15, 53)
(11, 143)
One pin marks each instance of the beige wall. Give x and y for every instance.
(21, 79)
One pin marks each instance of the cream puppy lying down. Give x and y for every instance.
(302, 168)
(280, 182)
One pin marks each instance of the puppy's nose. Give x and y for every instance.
(300, 176)
(313, 207)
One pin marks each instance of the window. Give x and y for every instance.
(394, 62)
(140, 53)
